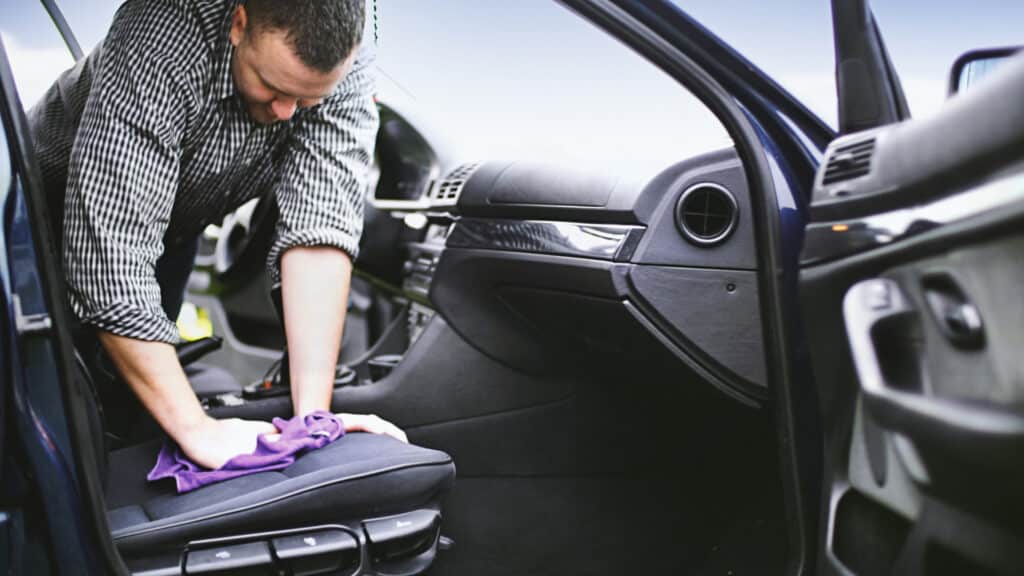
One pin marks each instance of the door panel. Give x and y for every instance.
(916, 352)
(910, 289)
(925, 426)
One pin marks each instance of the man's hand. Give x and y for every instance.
(373, 424)
(153, 372)
(215, 442)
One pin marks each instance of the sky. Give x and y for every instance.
(792, 41)
(528, 79)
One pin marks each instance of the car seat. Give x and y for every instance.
(365, 504)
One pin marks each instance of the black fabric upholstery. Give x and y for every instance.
(208, 380)
(358, 476)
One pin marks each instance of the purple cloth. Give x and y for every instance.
(298, 435)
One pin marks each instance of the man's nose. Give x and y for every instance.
(282, 108)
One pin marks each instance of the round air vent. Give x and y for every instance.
(706, 214)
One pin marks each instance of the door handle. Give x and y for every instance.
(958, 318)
(966, 430)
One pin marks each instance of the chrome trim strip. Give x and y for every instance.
(830, 240)
(601, 241)
(401, 205)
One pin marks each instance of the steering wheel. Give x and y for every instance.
(245, 235)
(243, 240)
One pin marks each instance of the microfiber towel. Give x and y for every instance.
(298, 435)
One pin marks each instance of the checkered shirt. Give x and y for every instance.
(145, 142)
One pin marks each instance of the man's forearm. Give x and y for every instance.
(155, 375)
(314, 292)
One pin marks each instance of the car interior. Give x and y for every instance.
(585, 350)
(911, 276)
(531, 328)
(588, 366)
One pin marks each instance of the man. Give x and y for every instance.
(187, 109)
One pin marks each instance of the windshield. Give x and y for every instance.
(35, 49)
(925, 38)
(530, 80)
(791, 41)
(89, 20)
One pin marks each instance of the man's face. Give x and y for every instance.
(272, 81)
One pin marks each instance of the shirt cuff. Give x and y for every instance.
(132, 322)
(308, 238)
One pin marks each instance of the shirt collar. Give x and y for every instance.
(224, 81)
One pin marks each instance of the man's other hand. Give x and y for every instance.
(215, 442)
(373, 424)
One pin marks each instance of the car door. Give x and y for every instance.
(910, 292)
(52, 518)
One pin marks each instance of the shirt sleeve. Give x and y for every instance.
(122, 178)
(322, 181)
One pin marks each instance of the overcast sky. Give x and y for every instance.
(529, 79)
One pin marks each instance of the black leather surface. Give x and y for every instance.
(358, 476)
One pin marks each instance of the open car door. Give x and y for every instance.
(911, 281)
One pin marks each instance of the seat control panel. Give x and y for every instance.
(400, 545)
(405, 544)
(332, 550)
(321, 552)
(250, 558)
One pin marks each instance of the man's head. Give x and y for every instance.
(292, 54)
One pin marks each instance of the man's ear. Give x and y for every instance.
(239, 23)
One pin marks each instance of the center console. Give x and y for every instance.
(418, 274)
(270, 395)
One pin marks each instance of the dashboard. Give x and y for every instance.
(539, 266)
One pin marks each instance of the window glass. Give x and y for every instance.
(35, 49)
(89, 20)
(522, 80)
(925, 38)
(791, 40)
(530, 80)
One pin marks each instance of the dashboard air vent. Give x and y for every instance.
(849, 162)
(707, 214)
(448, 190)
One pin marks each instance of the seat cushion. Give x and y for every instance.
(358, 476)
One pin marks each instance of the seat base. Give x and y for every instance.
(397, 545)
(356, 477)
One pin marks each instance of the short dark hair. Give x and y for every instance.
(323, 33)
